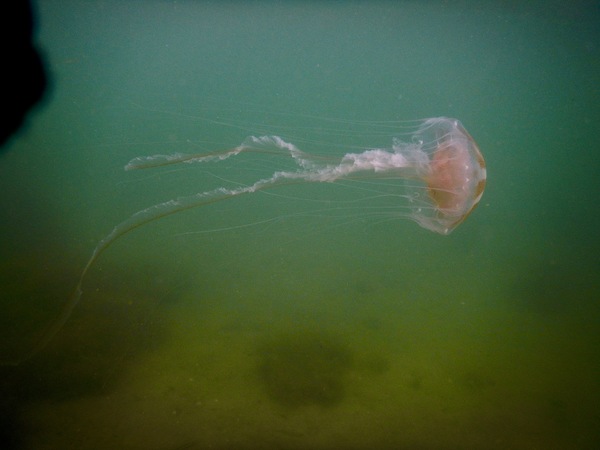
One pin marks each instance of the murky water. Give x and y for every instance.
(283, 320)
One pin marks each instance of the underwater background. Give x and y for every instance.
(262, 321)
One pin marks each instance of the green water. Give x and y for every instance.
(268, 322)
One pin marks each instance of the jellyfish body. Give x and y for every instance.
(443, 170)
(442, 164)
(455, 178)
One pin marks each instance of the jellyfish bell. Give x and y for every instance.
(455, 175)
(439, 163)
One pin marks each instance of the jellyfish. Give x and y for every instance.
(443, 170)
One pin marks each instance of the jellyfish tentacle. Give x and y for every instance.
(161, 210)
(149, 162)
(262, 144)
